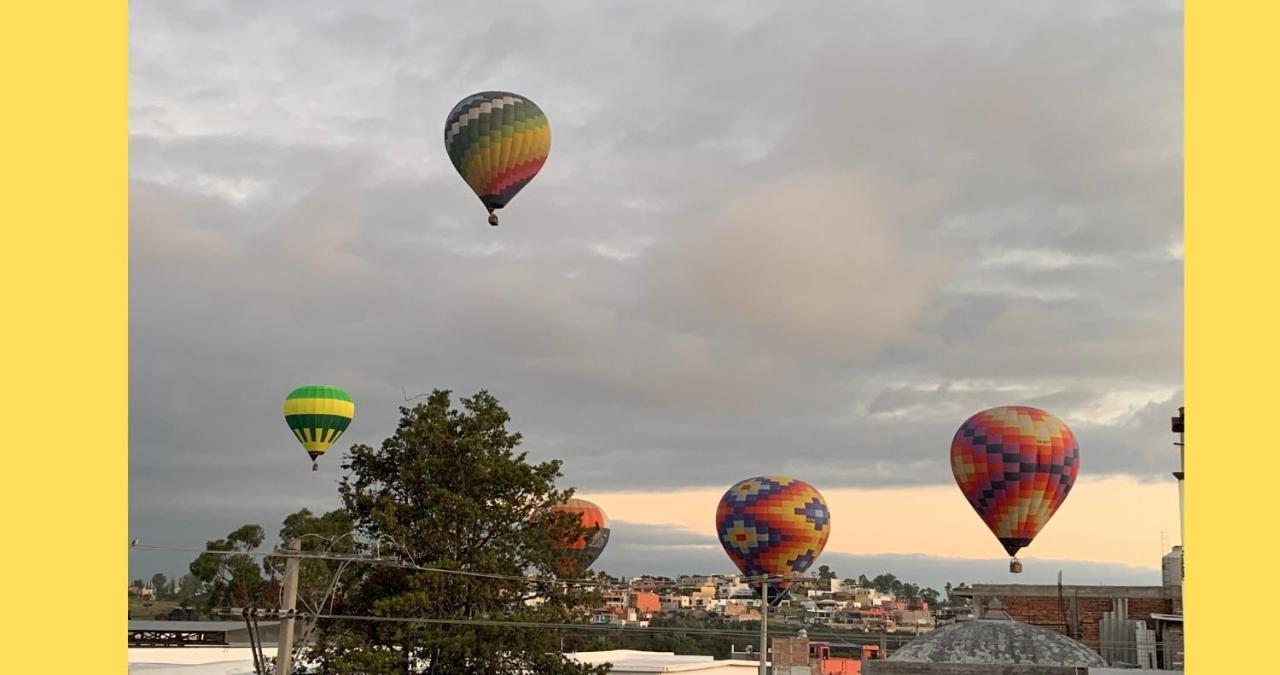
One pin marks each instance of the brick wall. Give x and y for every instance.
(1045, 610)
(790, 652)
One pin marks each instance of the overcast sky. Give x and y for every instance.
(807, 239)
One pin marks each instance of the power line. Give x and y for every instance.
(386, 562)
(397, 562)
(496, 623)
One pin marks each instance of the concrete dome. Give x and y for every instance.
(997, 639)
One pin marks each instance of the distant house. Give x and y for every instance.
(737, 611)
(647, 583)
(615, 598)
(644, 602)
(671, 603)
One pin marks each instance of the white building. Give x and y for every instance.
(626, 661)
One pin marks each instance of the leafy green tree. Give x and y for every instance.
(231, 576)
(189, 590)
(824, 572)
(448, 490)
(885, 583)
(864, 582)
(160, 584)
(319, 581)
(692, 642)
(930, 595)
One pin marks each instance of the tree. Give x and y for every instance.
(885, 583)
(863, 581)
(930, 595)
(158, 582)
(232, 576)
(449, 491)
(947, 588)
(319, 581)
(824, 572)
(190, 589)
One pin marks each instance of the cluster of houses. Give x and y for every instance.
(818, 602)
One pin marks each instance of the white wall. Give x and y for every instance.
(192, 660)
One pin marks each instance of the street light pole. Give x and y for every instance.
(764, 626)
(284, 652)
(1178, 428)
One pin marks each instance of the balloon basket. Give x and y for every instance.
(493, 219)
(315, 466)
(1015, 566)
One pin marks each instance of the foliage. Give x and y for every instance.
(141, 609)
(448, 490)
(319, 581)
(677, 642)
(885, 583)
(190, 590)
(230, 575)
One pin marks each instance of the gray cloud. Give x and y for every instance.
(803, 241)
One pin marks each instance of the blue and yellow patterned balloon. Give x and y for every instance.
(773, 525)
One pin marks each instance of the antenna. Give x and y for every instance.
(405, 392)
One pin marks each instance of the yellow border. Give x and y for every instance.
(1232, 342)
(64, 275)
(64, 174)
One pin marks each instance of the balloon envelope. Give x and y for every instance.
(317, 415)
(773, 525)
(588, 547)
(1015, 465)
(498, 141)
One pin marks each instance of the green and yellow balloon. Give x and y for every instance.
(317, 415)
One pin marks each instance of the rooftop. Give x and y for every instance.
(195, 626)
(1070, 590)
(997, 639)
(632, 661)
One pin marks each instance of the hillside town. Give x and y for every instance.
(832, 603)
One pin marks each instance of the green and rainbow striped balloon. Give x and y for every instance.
(497, 141)
(317, 415)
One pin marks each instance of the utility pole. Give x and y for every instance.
(1177, 428)
(284, 652)
(764, 626)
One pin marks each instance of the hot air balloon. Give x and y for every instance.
(584, 551)
(318, 415)
(497, 141)
(1015, 465)
(773, 525)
